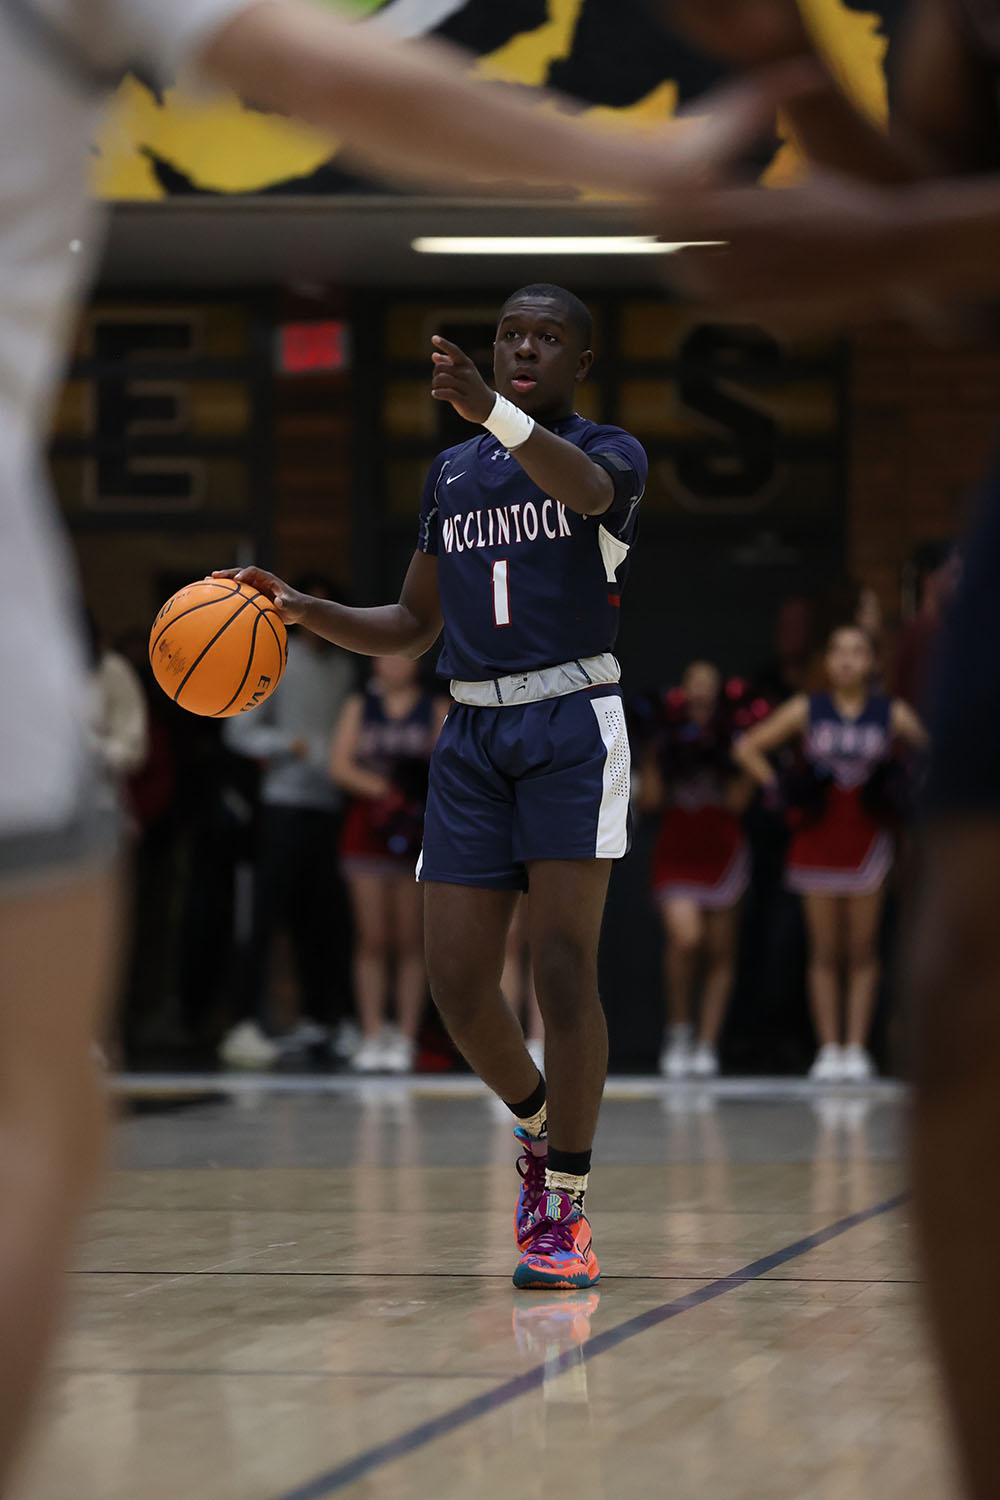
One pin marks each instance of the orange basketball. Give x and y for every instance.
(218, 647)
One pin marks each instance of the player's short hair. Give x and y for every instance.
(576, 311)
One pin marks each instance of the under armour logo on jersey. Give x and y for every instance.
(499, 453)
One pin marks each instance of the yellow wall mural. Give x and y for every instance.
(607, 53)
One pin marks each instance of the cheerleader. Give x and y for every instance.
(701, 864)
(842, 848)
(381, 753)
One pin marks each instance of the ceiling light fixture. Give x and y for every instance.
(568, 244)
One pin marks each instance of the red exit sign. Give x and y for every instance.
(310, 348)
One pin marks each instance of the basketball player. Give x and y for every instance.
(523, 550)
(408, 109)
(916, 222)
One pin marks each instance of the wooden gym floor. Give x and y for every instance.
(303, 1291)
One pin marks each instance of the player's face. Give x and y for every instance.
(539, 358)
(850, 661)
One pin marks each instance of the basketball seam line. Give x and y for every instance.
(206, 649)
(246, 671)
(205, 603)
(214, 583)
(282, 650)
(266, 609)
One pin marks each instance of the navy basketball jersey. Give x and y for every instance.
(848, 750)
(524, 582)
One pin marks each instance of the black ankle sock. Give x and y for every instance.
(531, 1105)
(576, 1163)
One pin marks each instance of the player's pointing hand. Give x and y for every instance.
(457, 380)
(290, 604)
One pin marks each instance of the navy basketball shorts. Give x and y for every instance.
(964, 776)
(547, 780)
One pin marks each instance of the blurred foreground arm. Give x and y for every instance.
(409, 110)
(834, 250)
(911, 224)
(942, 94)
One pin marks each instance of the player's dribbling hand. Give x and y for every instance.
(457, 380)
(290, 604)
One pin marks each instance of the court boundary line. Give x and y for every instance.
(382, 1089)
(494, 1276)
(67, 1372)
(415, 1438)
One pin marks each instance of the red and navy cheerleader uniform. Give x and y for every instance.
(843, 848)
(383, 837)
(702, 853)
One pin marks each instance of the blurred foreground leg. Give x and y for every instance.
(952, 978)
(55, 950)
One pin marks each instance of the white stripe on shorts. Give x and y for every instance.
(612, 820)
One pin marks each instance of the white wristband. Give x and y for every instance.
(509, 424)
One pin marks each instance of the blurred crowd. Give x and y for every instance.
(276, 921)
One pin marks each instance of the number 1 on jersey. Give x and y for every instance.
(501, 593)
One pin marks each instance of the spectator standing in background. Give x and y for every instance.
(793, 638)
(773, 943)
(701, 866)
(217, 813)
(118, 719)
(296, 882)
(118, 732)
(842, 850)
(381, 755)
(938, 566)
(148, 1024)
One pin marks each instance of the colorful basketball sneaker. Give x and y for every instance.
(557, 1249)
(531, 1167)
